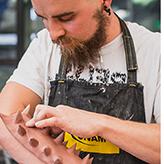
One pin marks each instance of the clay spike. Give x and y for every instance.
(21, 131)
(90, 160)
(72, 149)
(1, 115)
(47, 151)
(65, 143)
(77, 152)
(33, 142)
(45, 131)
(18, 117)
(59, 139)
(86, 159)
(28, 111)
(57, 160)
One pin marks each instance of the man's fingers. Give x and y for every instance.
(38, 109)
(30, 123)
(41, 112)
(38, 115)
(46, 122)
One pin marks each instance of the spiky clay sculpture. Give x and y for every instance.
(32, 145)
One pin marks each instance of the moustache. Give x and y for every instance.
(73, 42)
(61, 40)
(64, 40)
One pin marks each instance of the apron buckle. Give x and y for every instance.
(61, 81)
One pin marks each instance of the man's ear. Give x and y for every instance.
(107, 2)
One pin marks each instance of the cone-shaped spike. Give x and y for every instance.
(33, 142)
(65, 143)
(90, 160)
(18, 117)
(77, 152)
(28, 111)
(57, 160)
(45, 131)
(72, 149)
(59, 139)
(21, 131)
(86, 159)
(47, 151)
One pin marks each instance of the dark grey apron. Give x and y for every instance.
(124, 101)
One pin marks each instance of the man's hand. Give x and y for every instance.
(144, 138)
(68, 119)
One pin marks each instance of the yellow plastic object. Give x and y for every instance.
(94, 144)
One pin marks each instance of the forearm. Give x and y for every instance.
(139, 139)
(16, 97)
(8, 106)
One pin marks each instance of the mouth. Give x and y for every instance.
(64, 43)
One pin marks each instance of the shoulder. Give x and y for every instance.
(147, 43)
(142, 34)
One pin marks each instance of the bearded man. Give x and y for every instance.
(98, 78)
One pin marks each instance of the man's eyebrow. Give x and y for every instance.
(59, 15)
(63, 14)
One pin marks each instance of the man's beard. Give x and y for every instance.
(82, 53)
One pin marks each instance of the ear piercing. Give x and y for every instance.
(107, 9)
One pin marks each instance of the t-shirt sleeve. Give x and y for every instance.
(157, 101)
(30, 70)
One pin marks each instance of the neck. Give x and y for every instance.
(113, 28)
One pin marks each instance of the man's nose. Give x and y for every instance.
(56, 31)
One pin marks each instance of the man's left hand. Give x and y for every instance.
(68, 119)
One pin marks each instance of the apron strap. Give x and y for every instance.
(130, 53)
(60, 83)
(62, 69)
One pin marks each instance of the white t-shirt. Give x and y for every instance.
(40, 64)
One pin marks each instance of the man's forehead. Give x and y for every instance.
(58, 5)
(53, 8)
(63, 3)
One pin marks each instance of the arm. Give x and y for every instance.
(141, 140)
(16, 97)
